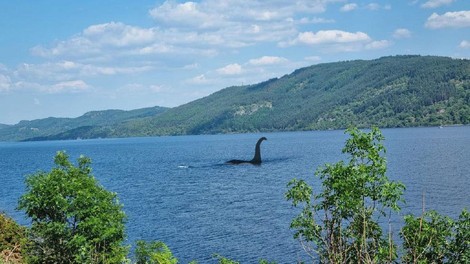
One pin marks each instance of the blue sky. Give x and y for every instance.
(64, 58)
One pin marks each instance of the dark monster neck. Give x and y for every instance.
(257, 158)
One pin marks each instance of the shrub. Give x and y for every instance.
(74, 219)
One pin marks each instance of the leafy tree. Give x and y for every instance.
(460, 243)
(433, 238)
(223, 260)
(153, 253)
(425, 237)
(341, 223)
(74, 219)
(12, 240)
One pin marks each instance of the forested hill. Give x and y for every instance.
(93, 124)
(394, 91)
(388, 92)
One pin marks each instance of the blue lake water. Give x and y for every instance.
(178, 189)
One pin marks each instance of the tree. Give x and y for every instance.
(433, 238)
(342, 222)
(12, 241)
(74, 219)
(154, 253)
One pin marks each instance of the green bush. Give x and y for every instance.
(433, 238)
(74, 219)
(13, 240)
(153, 253)
(341, 223)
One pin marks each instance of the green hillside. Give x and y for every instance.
(96, 121)
(388, 92)
(398, 91)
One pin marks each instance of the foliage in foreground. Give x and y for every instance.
(12, 240)
(153, 253)
(74, 220)
(433, 238)
(341, 224)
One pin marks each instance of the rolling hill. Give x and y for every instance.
(394, 91)
(94, 122)
(397, 91)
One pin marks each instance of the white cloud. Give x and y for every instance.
(267, 60)
(188, 13)
(119, 34)
(450, 19)
(231, 69)
(210, 15)
(97, 39)
(313, 58)
(137, 88)
(187, 30)
(200, 79)
(338, 41)
(66, 70)
(348, 7)
(380, 44)
(5, 83)
(436, 3)
(191, 66)
(401, 33)
(465, 44)
(68, 87)
(91, 70)
(315, 20)
(373, 6)
(330, 36)
(238, 23)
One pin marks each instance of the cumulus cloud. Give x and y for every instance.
(465, 44)
(200, 79)
(338, 41)
(188, 29)
(66, 70)
(373, 6)
(330, 36)
(267, 60)
(231, 69)
(101, 38)
(68, 87)
(436, 3)
(401, 33)
(315, 20)
(5, 83)
(188, 13)
(450, 19)
(236, 24)
(119, 34)
(349, 7)
(209, 13)
(313, 58)
(137, 88)
(380, 44)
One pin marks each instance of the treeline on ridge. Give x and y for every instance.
(397, 91)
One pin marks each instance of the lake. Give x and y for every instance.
(178, 189)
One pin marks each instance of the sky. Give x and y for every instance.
(63, 58)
